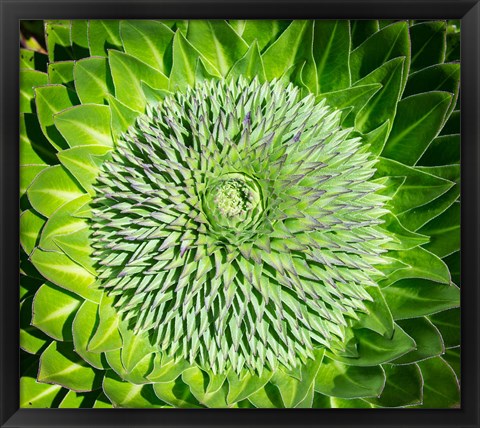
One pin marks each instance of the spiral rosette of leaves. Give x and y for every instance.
(272, 223)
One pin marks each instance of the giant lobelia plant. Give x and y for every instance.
(240, 214)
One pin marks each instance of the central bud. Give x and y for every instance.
(233, 198)
(232, 201)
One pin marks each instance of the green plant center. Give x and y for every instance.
(233, 198)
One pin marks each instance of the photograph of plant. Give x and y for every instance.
(240, 214)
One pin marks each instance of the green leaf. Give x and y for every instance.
(33, 60)
(453, 263)
(377, 138)
(103, 35)
(102, 402)
(418, 121)
(32, 340)
(127, 395)
(122, 116)
(331, 50)
(61, 73)
(403, 239)
(28, 80)
(402, 388)
(135, 345)
(444, 232)
(61, 366)
(452, 357)
(208, 389)
(34, 148)
(263, 31)
(83, 328)
(217, 42)
(61, 222)
(35, 395)
(242, 386)
(452, 125)
(418, 189)
(57, 36)
(185, 59)
(28, 173)
(266, 398)
(420, 264)
(410, 298)
(75, 400)
(52, 188)
(84, 125)
(438, 77)
(427, 337)
(383, 105)
(293, 47)
(30, 226)
(443, 150)
(378, 316)
(176, 394)
(249, 66)
(167, 369)
(355, 97)
(138, 374)
(374, 349)
(93, 81)
(344, 381)
(362, 29)
(294, 391)
(106, 337)
(452, 52)
(79, 36)
(340, 403)
(440, 389)
(54, 310)
(448, 322)
(83, 162)
(428, 43)
(390, 42)
(149, 41)
(128, 72)
(50, 100)
(62, 271)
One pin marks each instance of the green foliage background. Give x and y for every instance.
(397, 84)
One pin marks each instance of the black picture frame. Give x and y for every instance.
(14, 10)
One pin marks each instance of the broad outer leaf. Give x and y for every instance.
(263, 31)
(402, 238)
(86, 124)
(60, 365)
(103, 35)
(84, 324)
(410, 298)
(32, 340)
(35, 395)
(374, 349)
(241, 387)
(440, 389)
(50, 100)
(62, 271)
(125, 394)
(54, 310)
(427, 337)
(107, 336)
(390, 42)
(176, 394)
(402, 388)
(75, 400)
(61, 73)
(448, 322)
(443, 150)
(128, 72)
(331, 50)
(28, 80)
(52, 188)
(362, 29)
(93, 81)
(418, 121)
(378, 316)
(217, 42)
(149, 41)
(444, 232)
(383, 105)
(428, 43)
(31, 224)
(250, 65)
(345, 381)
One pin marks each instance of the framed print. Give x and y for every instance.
(240, 214)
